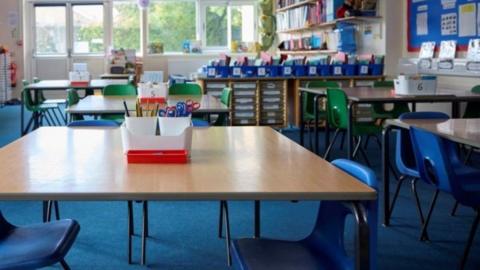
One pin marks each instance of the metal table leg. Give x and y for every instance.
(362, 246)
(350, 130)
(257, 220)
(302, 127)
(386, 175)
(315, 109)
(22, 115)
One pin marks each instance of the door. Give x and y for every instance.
(65, 34)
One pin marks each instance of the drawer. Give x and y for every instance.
(271, 93)
(216, 85)
(272, 106)
(244, 107)
(214, 93)
(245, 85)
(244, 122)
(244, 100)
(272, 100)
(271, 85)
(244, 93)
(244, 114)
(272, 114)
(271, 122)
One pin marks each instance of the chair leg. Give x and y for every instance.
(471, 236)
(220, 220)
(329, 148)
(49, 118)
(365, 144)
(144, 233)
(417, 204)
(423, 234)
(468, 155)
(342, 143)
(227, 233)
(130, 230)
(311, 134)
(56, 117)
(49, 211)
(45, 211)
(357, 146)
(57, 210)
(397, 191)
(64, 265)
(454, 210)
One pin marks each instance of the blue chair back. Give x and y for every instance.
(404, 157)
(328, 234)
(432, 155)
(93, 123)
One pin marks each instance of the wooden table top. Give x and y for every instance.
(465, 131)
(114, 104)
(370, 94)
(65, 84)
(237, 163)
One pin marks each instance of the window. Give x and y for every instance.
(216, 26)
(50, 30)
(225, 23)
(126, 25)
(171, 23)
(88, 29)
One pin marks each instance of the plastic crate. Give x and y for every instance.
(324, 70)
(286, 71)
(377, 69)
(300, 71)
(364, 70)
(350, 70)
(337, 70)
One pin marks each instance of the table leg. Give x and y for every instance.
(315, 109)
(455, 109)
(257, 220)
(327, 134)
(302, 127)
(350, 130)
(414, 106)
(386, 175)
(362, 241)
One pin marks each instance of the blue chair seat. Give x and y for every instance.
(200, 123)
(279, 255)
(36, 246)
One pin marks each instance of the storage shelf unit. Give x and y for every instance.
(270, 101)
(308, 52)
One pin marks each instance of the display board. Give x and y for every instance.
(437, 20)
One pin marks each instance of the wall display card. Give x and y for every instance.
(449, 4)
(474, 50)
(467, 20)
(427, 50)
(422, 24)
(449, 24)
(448, 48)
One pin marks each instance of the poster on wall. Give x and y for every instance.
(440, 20)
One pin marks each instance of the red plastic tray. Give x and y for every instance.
(157, 156)
(153, 100)
(79, 83)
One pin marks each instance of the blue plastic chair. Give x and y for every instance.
(36, 246)
(405, 159)
(324, 248)
(438, 164)
(94, 123)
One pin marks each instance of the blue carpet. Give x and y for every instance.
(184, 234)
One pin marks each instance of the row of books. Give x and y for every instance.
(286, 3)
(303, 16)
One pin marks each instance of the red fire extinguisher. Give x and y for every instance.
(13, 74)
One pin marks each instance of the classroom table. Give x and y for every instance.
(110, 76)
(60, 85)
(463, 131)
(105, 105)
(369, 95)
(227, 163)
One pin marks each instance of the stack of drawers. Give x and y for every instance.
(272, 103)
(244, 103)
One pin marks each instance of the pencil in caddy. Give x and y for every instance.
(165, 137)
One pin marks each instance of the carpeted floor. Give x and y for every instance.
(184, 234)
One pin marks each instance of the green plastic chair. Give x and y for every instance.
(337, 113)
(72, 99)
(41, 99)
(192, 89)
(226, 99)
(43, 110)
(308, 104)
(378, 111)
(120, 90)
(473, 108)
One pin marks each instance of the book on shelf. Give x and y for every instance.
(301, 17)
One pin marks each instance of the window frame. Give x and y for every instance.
(229, 4)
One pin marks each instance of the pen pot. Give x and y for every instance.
(173, 126)
(141, 125)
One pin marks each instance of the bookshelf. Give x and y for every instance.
(313, 27)
(308, 2)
